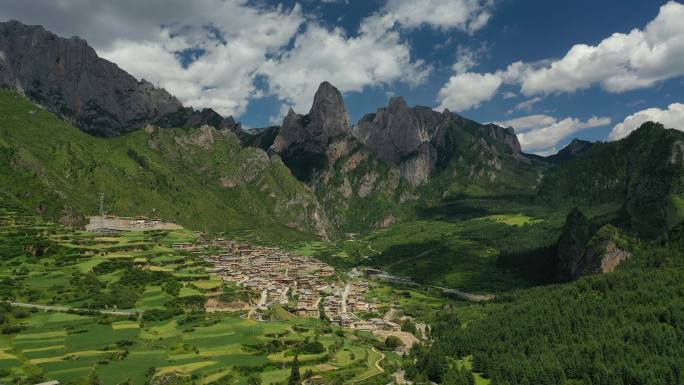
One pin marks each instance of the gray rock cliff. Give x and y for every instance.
(303, 140)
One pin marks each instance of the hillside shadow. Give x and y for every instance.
(463, 265)
(463, 207)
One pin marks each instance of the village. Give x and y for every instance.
(308, 287)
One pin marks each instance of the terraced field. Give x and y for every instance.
(167, 333)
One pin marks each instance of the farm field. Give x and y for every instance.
(137, 315)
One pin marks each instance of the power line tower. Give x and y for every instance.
(102, 212)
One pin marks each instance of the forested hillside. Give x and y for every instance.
(643, 172)
(625, 327)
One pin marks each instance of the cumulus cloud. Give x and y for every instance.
(526, 105)
(466, 15)
(619, 63)
(467, 90)
(540, 134)
(541, 139)
(527, 123)
(672, 117)
(232, 44)
(376, 56)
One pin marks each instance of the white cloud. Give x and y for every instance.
(619, 63)
(526, 105)
(672, 117)
(376, 56)
(466, 15)
(547, 152)
(540, 134)
(527, 123)
(467, 90)
(509, 95)
(541, 139)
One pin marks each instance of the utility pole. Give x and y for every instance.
(102, 213)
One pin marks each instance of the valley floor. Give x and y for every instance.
(130, 306)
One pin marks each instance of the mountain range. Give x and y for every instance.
(317, 174)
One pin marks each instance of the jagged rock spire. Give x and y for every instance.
(328, 118)
(328, 113)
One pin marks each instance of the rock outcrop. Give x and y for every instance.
(572, 245)
(188, 117)
(584, 251)
(311, 133)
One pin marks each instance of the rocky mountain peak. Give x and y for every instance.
(304, 140)
(504, 135)
(392, 132)
(328, 113)
(327, 119)
(397, 104)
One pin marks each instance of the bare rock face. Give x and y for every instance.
(327, 119)
(606, 259)
(421, 141)
(67, 77)
(582, 253)
(303, 140)
(188, 117)
(503, 135)
(393, 133)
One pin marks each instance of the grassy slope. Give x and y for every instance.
(48, 164)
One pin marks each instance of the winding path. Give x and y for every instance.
(377, 365)
(61, 308)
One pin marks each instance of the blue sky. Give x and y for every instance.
(255, 59)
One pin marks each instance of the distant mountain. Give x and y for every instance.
(574, 149)
(68, 78)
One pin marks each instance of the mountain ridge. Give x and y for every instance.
(384, 169)
(68, 78)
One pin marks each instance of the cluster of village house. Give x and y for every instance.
(277, 277)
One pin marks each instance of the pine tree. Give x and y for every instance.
(295, 377)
